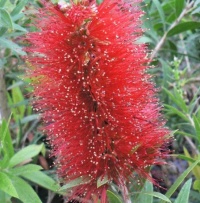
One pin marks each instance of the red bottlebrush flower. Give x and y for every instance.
(91, 87)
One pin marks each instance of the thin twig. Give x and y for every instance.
(51, 195)
(176, 22)
(124, 191)
(194, 149)
(186, 54)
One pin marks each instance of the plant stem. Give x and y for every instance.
(176, 22)
(125, 192)
(4, 110)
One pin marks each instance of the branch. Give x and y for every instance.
(176, 22)
(4, 110)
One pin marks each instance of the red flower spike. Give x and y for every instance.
(91, 87)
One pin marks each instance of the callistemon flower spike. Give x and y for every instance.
(92, 90)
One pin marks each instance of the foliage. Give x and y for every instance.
(172, 32)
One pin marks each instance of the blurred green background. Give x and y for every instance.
(172, 33)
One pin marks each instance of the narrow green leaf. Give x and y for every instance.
(174, 110)
(158, 195)
(144, 39)
(11, 45)
(25, 154)
(179, 5)
(25, 192)
(182, 27)
(160, 11)
(151, 32)
(20, 28)
(148, 187)
(7, 186)
(113, 198)
(17, 97)
(196, 11)
(187, 134)
(181, 178)
(196, 170)
(197, 126)
(28, 168)
(183, 195)
(74, 183)
(17, 17)
(41, 179)
(5, 143)
(177, 99)
(19, 7)
(5, 19)
(24, 102)
(16, 84)
(3, 30)
(102, 181)
(30, 118)
(5, 130)
(4, 197)
(187, 158)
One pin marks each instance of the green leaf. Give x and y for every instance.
(25, 192)
(160, 11)
(183, 195)
(25, 154)
(181, 178)
(11, 45)
(74, 183)
(197, 126)
(144, 39)
(158, 195)
(177, 98)
(113, 198)
(6, 143)
(148, 187)
(20, 28)
(41, 179)
(196, 170)
(4, 197)
(179, 5)
(2, 3)
(3, 30)
(16, 84)
(182, 27)
(174, 110)
(17, 97)
(187, 158)
(18, 8)
(196, 185)
(196, 11)
(5, 19)
(24, 169)
(5, 137)
(30, 118)
(7, 186)
(102, 181)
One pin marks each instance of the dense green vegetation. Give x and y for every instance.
(172, 32)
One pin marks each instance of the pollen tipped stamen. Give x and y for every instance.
(94, 95)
